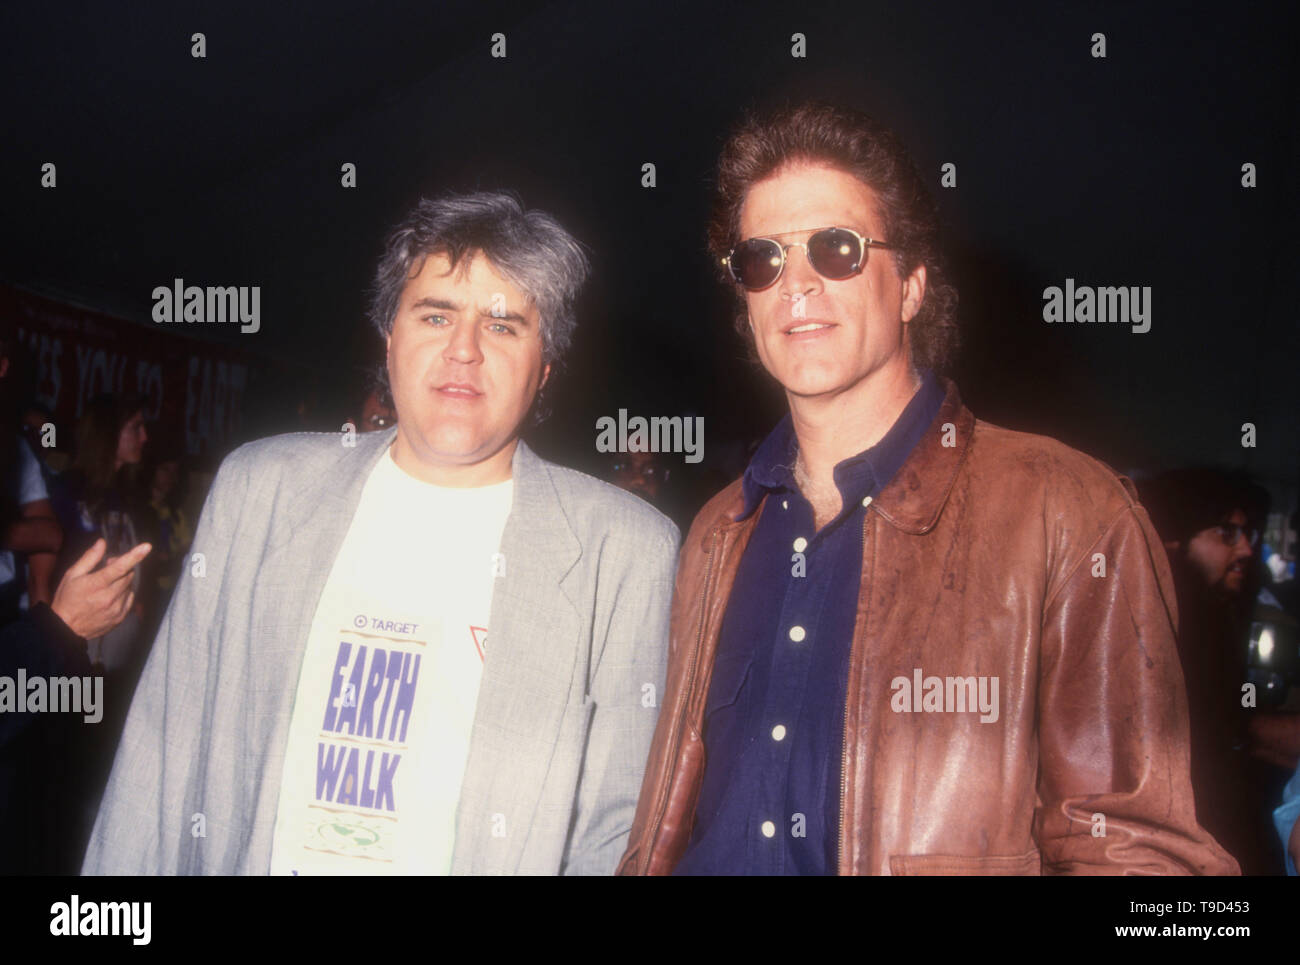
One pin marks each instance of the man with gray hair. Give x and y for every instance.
(324, 696)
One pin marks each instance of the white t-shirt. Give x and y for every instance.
(389, 682)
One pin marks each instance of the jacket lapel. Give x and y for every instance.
(534, 632)
(307, 536)
(303, 540)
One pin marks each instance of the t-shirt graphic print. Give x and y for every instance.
(389, 683)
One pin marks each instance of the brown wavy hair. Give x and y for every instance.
(863, 147)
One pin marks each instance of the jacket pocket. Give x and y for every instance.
(1029, 863)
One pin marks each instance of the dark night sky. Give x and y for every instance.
(1122, 171)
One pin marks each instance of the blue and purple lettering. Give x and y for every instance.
(387, 769)
(374, 680)
(328, 763)
(348, 792)
(336, 684)
(405, 700)
(367, 793)
(348, 715)
(394, 672)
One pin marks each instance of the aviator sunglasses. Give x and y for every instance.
(834, 253)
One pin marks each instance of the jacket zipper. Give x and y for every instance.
(844, 742)
(685, 699)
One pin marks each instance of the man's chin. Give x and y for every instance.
(459, 453)
(807, 385)
(451, 446)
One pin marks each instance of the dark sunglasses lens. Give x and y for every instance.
(756, 263)
(835, 253)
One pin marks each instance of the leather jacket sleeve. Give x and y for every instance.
(1114, 783)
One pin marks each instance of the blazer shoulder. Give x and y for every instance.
(592, 505)
(307, 453)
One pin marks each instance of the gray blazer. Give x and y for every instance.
(566, 709)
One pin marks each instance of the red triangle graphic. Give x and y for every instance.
(480, 639)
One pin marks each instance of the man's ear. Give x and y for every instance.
(546, 374)
(913, 293)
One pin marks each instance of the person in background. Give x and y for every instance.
(30, 534)
(48, 760)
(163, 473)
(641, 473)
(377, 410)
(1286, 819)
(1208, 520)
(96, 498)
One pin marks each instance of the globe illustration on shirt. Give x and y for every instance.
(345, 837)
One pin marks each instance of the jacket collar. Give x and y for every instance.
(772, 468)
(916, 495)
(538, 547)
(337, 484)
(913, 498)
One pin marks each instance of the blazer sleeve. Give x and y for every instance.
(626, 691)
(145, 825)
(1114, 779)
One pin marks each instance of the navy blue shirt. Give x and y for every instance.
(774, 720)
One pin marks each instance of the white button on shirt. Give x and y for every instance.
(797, 634)
(768, 829)
(778, 732)
(800, 545)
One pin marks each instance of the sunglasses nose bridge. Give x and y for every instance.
(807, 275)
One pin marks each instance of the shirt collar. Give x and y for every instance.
(772, 467)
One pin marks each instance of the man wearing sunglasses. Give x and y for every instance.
(905, 641)
(1208, 519)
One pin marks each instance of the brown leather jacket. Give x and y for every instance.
(991, 553)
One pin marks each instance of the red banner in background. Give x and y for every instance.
(194, 389)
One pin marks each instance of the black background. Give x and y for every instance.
(1117, 171)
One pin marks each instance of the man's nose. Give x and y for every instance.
(799, 277)
(463, 345)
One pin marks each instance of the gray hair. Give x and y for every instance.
(528, 248)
